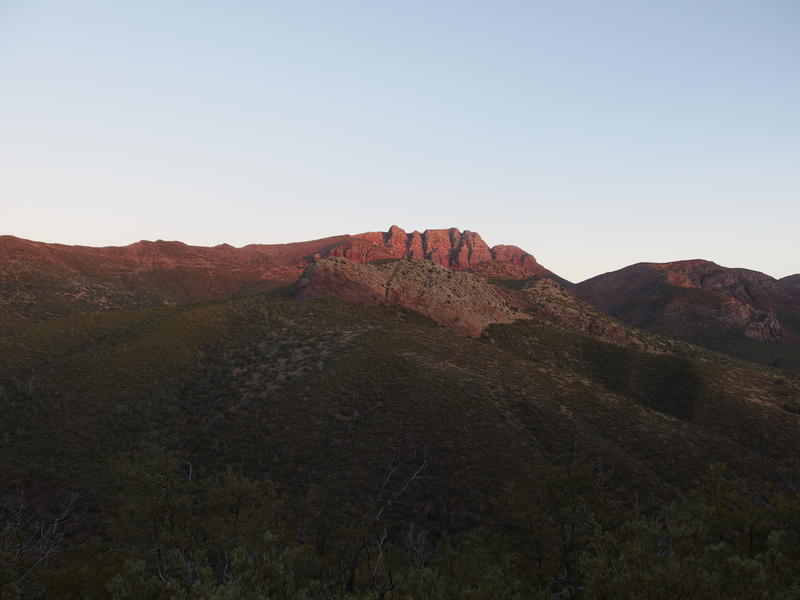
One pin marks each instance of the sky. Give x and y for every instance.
(592, 134)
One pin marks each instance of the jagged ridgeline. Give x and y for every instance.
(40, 281)
(349, 419)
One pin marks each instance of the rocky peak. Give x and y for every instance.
(452, 248)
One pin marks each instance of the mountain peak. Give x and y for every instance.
(452, 248)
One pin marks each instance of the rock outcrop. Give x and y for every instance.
(460, 250)
(460, 301)
(40, 281)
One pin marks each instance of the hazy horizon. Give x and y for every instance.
(591, 135)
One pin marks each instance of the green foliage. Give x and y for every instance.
(667, 383)
(729, 539)
(511, 284)
(789, 319)
(178, 530)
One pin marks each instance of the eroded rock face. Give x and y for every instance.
(461, 250)
(460, 301)
(40, 281)
(517, 256)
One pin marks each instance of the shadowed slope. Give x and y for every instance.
(324, 389)
(793, 280)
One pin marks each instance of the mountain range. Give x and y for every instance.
(336, 363)
(738, 311)
(77, 278)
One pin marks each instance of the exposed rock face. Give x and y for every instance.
(462, 250)
(692, 299)
(516, 256)
(41, 281)
(458, 300)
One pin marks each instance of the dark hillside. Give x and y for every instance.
(259, 445)
(328, 387)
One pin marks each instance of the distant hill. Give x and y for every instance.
(738, 311)
(791, 280)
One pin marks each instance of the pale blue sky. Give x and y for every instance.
(592, 134)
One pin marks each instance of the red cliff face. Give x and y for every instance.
(460, 250)
(40, 281)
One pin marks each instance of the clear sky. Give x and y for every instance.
(592, 134)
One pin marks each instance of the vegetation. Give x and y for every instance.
(261, 448)
(180, 531)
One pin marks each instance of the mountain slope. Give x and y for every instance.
(324, 387)
(461, 301)
(325, 434)
(738, 311)
(41, 281)
(793, 280)
(227, 376)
